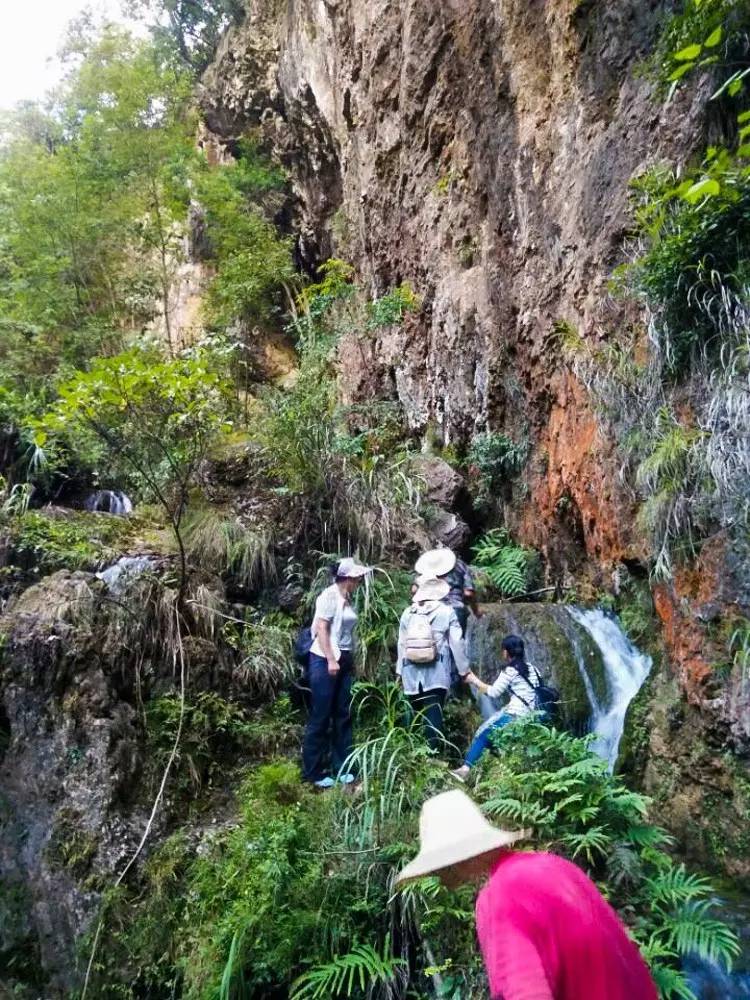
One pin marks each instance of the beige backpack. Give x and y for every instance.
(420, 647)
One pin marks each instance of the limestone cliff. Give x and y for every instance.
(481, 150)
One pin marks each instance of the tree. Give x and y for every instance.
(93, 195)
(149, 416)
(192, 26)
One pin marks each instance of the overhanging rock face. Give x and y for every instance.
(481, 151)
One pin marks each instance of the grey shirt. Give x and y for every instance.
(446, 631)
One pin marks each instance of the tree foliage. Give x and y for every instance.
(153, 418)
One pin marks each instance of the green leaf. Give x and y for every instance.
(681, 71)
(744, 117)
(744, 150)
(690, 52)
(714, 38)
(707, 188)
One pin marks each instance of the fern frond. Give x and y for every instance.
(593, 841)
(670, 983)
(362, 968)
(691, 931)
(675, 885)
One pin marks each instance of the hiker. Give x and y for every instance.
(544, 929)
(443, 564)
(520, 681)
(330, 678)
(429, 642)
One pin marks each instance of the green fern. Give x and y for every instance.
(691, 930)
(592, 842)
(507, 566)
(676, 886)
(361, 969)
(670, 983)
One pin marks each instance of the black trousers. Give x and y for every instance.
(430, 705)
(328, 734)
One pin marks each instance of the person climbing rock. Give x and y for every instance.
(519, 680)
(444, 564)
(544, 929)
(330, 677)
(429, 643)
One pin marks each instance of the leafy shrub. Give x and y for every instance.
(253, 262)
(380, 603)
(212, 728)
(70, 541)
(265, 655)
(709, 35)
(391, 308)
(552, 782)
(350, 493)
(151, 417)
(693, 272)
(498, 460)
(510, 568)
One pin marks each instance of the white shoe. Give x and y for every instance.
(459, 776)
(324, 783)
(346, 779)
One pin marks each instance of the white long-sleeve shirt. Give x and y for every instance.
(522, 698)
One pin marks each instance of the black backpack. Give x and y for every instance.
(303, 645)
(546, 697)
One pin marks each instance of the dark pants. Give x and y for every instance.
(329, 724)
(430, 705)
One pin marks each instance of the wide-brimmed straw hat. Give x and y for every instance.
(436, 562)
(452, 830)
(351, 569)
(431, 589)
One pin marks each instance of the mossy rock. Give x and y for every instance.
(555, 643)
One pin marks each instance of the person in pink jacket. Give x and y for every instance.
(545, 930)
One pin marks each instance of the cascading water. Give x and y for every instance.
(109, 502)
(625, 669)
(117, 576)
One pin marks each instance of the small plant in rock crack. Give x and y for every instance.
(510, 568)
(498, 460)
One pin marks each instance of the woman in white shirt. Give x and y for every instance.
(519, 680)
(330, 675)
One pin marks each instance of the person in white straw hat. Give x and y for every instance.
(429, 643)
(455, 840)
(445, 565)
(330, 676)
(545, 931)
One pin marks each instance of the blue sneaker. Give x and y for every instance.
(324, 783)
(347, 779)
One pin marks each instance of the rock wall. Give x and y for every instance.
(480, 150)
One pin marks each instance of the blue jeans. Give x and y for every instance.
(328, 733)
(482, 736)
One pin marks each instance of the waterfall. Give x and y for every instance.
(109, 502)
(117, 576)
(625, 668)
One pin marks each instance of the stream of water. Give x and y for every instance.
(626, 668)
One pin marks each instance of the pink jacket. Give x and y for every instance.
(546, 933)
